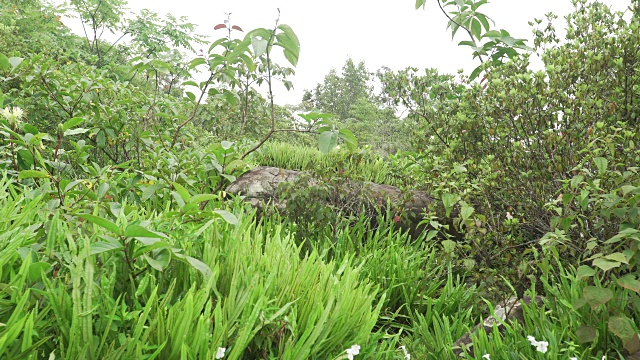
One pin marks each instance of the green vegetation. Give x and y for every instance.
(118, 240)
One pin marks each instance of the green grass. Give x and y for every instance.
(265, 296)
(360, 165)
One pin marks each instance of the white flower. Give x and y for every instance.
(5, 113)
(220, 353)
(406, 353)
(573, 358)
(541, 346)
(353, 351)
(486, 356)
(13, 116)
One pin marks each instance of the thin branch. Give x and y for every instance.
(459, 25)
(269, 82)
(195, 109)
(114, 44)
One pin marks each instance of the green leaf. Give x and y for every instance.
(160, 261)
(586, 334)
(104, 223)
(577, 180)
(75, 131)
(605, 264)
(73, 122)
(196, 62)
(259, 45)
(619, 257)
(597, 296)
(327, 141)
(4, 62)
(484, 20)
(248, 62)
(622, 327)
(102, 189)
(449, 246)
(151, 189)
(190, 83)
(184, 193)
(476, 28)
(227, 216)
(289, 41)
(466, 211)
(602, 164)
(195, 263)
(201, 198)
(226, 145)
(349, 139)
(105, 246)
(449, 200)
(32, 174)
(36, 269)
(137, 231)
(585, 271)
(475, 73)
(15, 61)
(101, 139)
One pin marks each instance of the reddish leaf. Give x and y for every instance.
(236, 27)
(220, 26)
(622, 327)
(633, 345)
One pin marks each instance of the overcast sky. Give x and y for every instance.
(382, 33)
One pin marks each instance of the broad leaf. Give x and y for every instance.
(584, 271)
(150, 190)
(32, 174)
(586, 334)
(75, 131)
(36, 269)
(259, 45)
(202, 197)
(449, 246)
(136, 231)
(15, 61)
(327, 141)
(605, 264)
(601, 164)
(73, 122)
(622, 327)
(105, 246)
(4, 62)
(227, 216)
(466, 211)
(160, 261)
(629, 282)
(349, 139)
(597, 296)
(449, 200)
(184, 193)
(195, 263)
(104, 223)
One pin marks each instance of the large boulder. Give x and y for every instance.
(259, 186)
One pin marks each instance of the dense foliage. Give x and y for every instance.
(118, 240)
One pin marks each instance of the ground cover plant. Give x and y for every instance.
(119, 241)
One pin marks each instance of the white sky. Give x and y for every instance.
(382, 33)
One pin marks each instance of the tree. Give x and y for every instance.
(338, 93)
